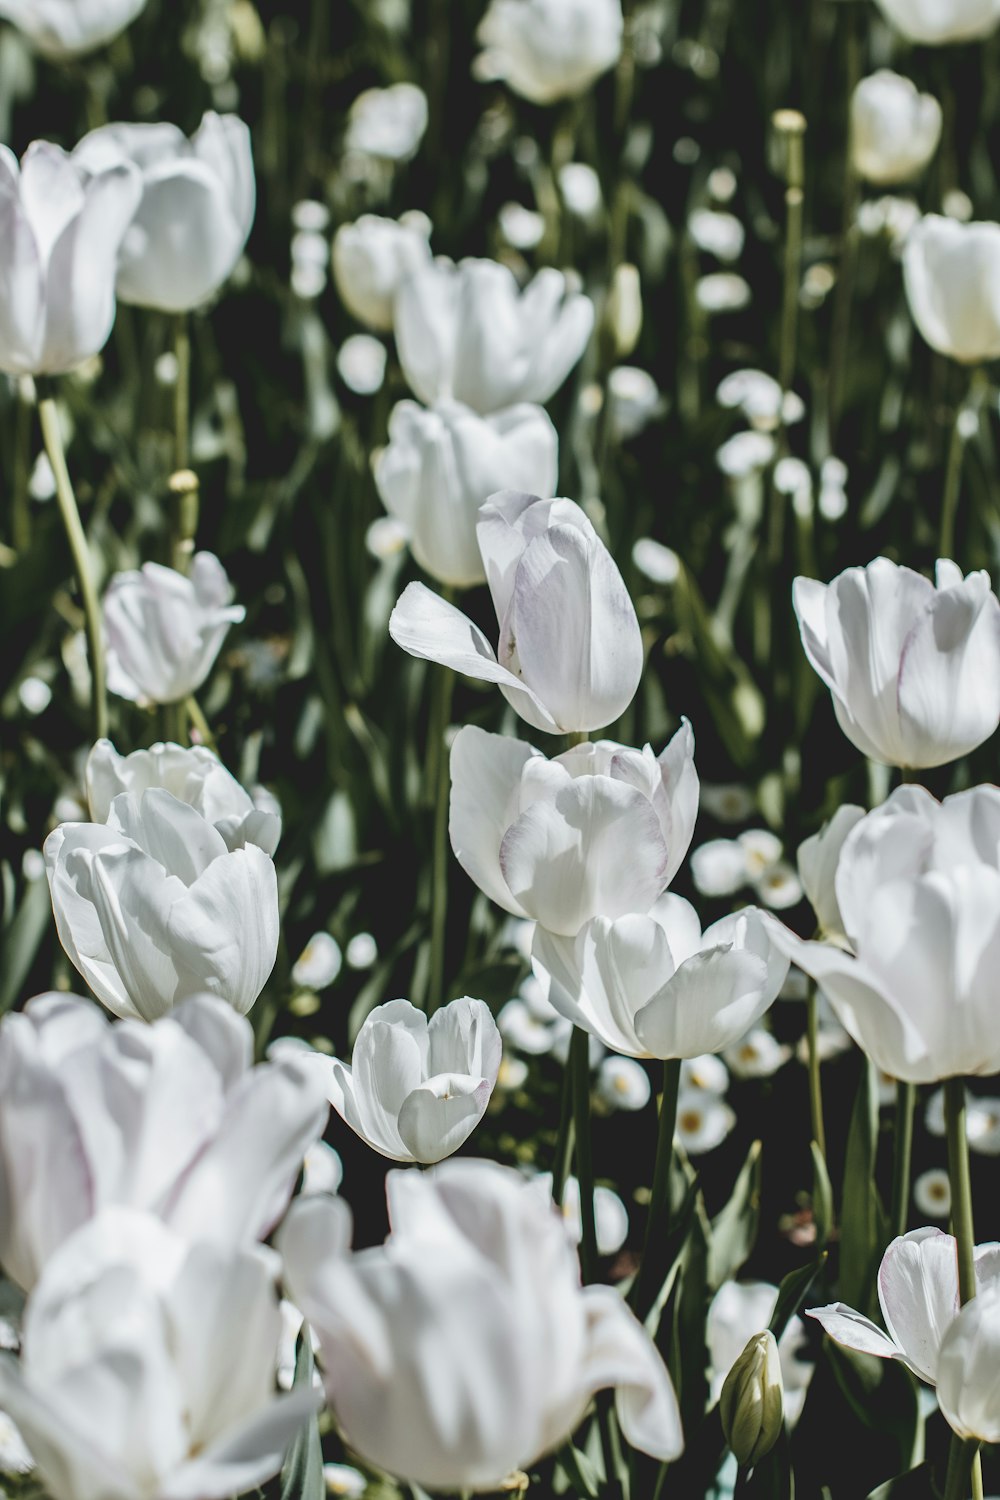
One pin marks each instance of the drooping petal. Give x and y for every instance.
(486, 770)
(621, 1354)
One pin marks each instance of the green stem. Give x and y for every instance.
(194, 713)
(902, 1147)
(952, 489)
(961, 1187)
(441, 690)
(792, 126)
(815, 1081)
(961, 1461)
(564, 1140)
(579, 1062)
(82, 562)
(646, 1284)
(20, 508)
(173, 723)
(182, 392)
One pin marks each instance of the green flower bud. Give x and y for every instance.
(752, 1402)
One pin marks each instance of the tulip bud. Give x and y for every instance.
(623, 313)
(752, 1401)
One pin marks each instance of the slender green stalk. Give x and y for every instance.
(194, 713)
(82, 562)
(952, 489)
(815, 1081)
(173, 722)
(961, 1462)
(564, 1140)
(961, 1188)
(182, 392)
(579, 1062)
(20, 508)
(646, 1284)
(902, 1148)
(791, 125)
(441, 693)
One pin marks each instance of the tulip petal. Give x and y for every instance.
(171, 832)
(620, 1353)
(441, 1114)
(850, 1328)
(918, 1294)
(389, 1061)
(429, 627)
(486, 770)
(711, 1001)
(463, 1038)
(596, 850)
(949, 675)
(224, 930)
(247, 1455)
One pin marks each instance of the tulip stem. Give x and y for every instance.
(48, 415)
(961, 1188)
(815, 1081)
(20, 508)
(791, 125)
(439, 782)
(962, 1462)
(197, 717)
(564, 1140)
(646, 1285)
(962, 429)
(579, 1062)
(902, 1148)
(182, 391)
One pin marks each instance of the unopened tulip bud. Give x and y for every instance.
(623, 314)
(752, 1401)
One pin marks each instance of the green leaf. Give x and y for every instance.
(734, 1230)
(20, 941)
(772, 1477)
(580, 1472)
(859, 1231)
(915, 1484)
(822, 1196)
(792, 1293)
(302, 1471)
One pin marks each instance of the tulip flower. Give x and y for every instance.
(170, 1118)
(468, 332)
(197, 206)
(387, 123)
(599, 831)
(968, 1361)
(655, 985)
(918, 888)
(193, 775)
(465, 1347)
(61, 29)
(62, 227)
(752, 1401)
(736, 1312)
(152, 907)
(570, 653)
(371, 257)
(951, 272)
(913, 667)
(165, 630)
(894, 128)
(918, 1295)
(417, 1089)
(817, 863)
(547, 50)
(442, 464)
(147, 1367)
(936, 22)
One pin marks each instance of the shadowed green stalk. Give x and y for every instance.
(815, 1081)
(182, 392)
(579, 1063)
(439, 785)
(840, 333)
(964, 427)
(564, 1140)
(82, 562)
(791, 126)
(964, 1469)
(20, 509)
(902, 1148)
(647, 1282)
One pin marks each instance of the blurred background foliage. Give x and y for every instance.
(312, 699)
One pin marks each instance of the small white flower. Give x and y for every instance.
(622, 1083)
(729, 802)
(547, 50)
(658, 563)
(343, 1481)
(634, 400)
(722, 291)
(361, 361)
(34, 695)
(322, 1168)
(707, 1074)
(778, 886)
(610, 1217)
(719, 234)
(580, 187)
(745, 453)
(318, 965)
(703, 1122)
(932, 1193)
(513, 1073)
(757, 1055)
(521, 227)
(386, 537)
(388, 123)
(718, 867)
(361, 952)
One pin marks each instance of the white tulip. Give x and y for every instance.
(549, 49)
(656, 985)
(968, 1384)
(417, 1089)
(918, 887)
(170, 1118)
(570, 653)
(147, 1367)
(740, 1309)
(164, 630)
(387, 123)
(197, 206)
(465, 1347)
(371, 257)
(913, 667)
(894, 128)
(817, 864)
(193, 775)
(952, 276)
(469, 332)
(442, 464)
(599, 831)
(935, 22)
(61, 29)
(918, 1295)
(61, 227)
(152, 907)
